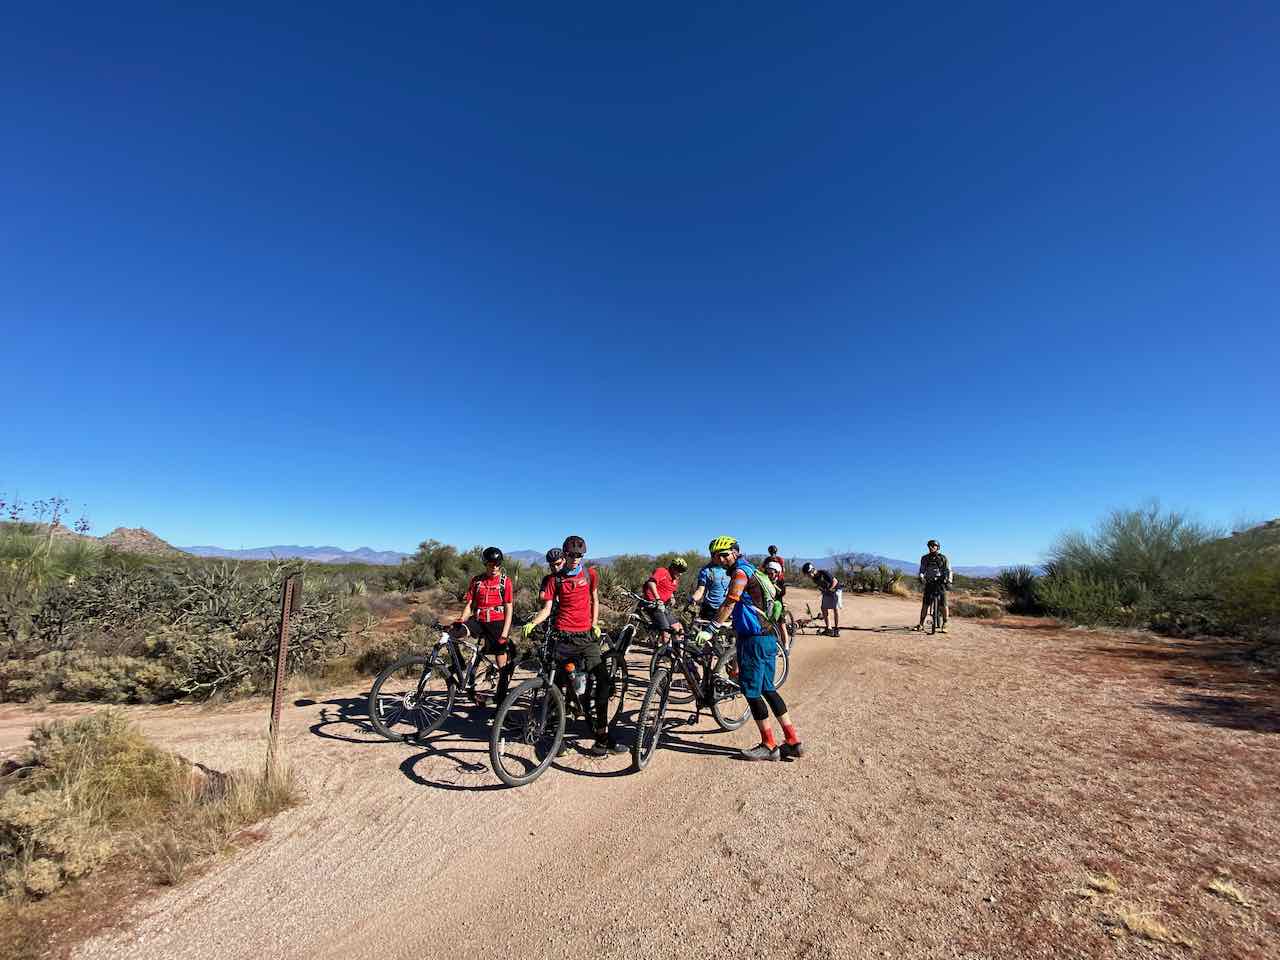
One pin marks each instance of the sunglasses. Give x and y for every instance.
(723, 555)
(573, 556)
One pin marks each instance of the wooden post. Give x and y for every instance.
(290, 600)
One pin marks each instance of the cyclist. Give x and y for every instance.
(488, 606)
(773, 562)
(757, 648)
(660, 588)
(935, 574)
(832, 597)
(709, 592)
(573, 592)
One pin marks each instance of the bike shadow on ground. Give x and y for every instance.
(351, 713)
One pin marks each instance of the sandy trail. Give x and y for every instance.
(956, 792)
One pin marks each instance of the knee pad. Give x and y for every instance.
(759, 709)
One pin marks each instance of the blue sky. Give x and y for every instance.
(832, 277)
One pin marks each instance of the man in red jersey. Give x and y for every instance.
(486, 615)
(660, 588)
(573, 592)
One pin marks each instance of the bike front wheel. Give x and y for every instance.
(411, 698)
(728, 703)
(649, 721)
(527, 732)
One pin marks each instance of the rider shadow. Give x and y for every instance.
(463, 741)
(352, 712)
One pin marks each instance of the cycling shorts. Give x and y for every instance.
(832, 599)
(757, 660)
(582, 648)
(489, 634)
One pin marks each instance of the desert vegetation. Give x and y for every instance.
(94, 792)
(1147, 567)
(82, 622)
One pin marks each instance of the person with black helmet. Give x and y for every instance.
(572, 594)
(832, 597)
(935, 574)
(487, 609)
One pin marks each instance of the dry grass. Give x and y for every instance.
(1224, 888)
(1145, 924)
(1098, 885)
(92, 794)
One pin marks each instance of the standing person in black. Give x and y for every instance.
(935, 574)
(832, 597)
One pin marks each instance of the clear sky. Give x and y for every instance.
(825, 275)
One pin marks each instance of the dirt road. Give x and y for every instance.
(957, 792)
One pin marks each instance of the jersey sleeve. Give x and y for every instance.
(548, 591)
(737, 585)
(470, 595)
(594, 578)
(704, 576)
(508, 595)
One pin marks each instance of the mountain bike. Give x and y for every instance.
(711, 672)
(935, 592)
(724, 642)
(529, 727)
(412, 697)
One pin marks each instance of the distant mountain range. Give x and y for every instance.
(392, 557)
(314, 554)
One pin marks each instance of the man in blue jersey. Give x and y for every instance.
(744, 607)
(710, 589)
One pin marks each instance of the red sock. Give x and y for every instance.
(789, 731)
(766, 735)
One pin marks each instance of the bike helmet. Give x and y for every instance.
(554, 554)
(773, 568)
(678, 563)
(808, 568)
(491, 555)
(575, 544)
(722, 543)
(933, 543)
(773, 550)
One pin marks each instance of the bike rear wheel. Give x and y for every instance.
(933, 613)
(781, 667)
(527, 732)
(728, 704)
(649, 721)
(411, 698)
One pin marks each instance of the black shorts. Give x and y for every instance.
(490, 634)
(582, 648)
(659, 618)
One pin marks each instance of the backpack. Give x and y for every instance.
(477, 580)
(769, 608)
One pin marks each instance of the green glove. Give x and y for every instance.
(595, 632)
(527, 629)
(703, 637)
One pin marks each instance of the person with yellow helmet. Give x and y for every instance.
(660, 589)
(747, 608)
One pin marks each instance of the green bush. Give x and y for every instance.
(967, 608)
(1018, 587)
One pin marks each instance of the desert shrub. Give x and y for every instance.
(380, 605)
(433, 562)
(864, 574)
(967, 608)
(1250, 599)
(388, 648)
(82, 675)
(94, 788)
(1018, 587)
